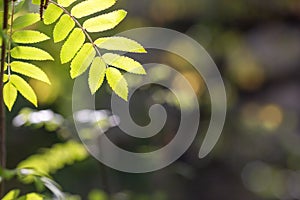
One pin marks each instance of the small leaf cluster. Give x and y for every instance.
(14, 195)
(19, 54)
(83, 53)
(28, 176)
(55, 158)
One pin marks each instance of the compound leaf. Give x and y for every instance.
(104, 22)
(96, 74)
(26, 20)
(24, 88)
(123, 62)
(52, 13)
(9, 95)
(89, 7)
(72, 45)
(30, 53)
(29, 70)
(82, 60)
(117, 82)
(120, 44)
(62, 28)
(28, 36)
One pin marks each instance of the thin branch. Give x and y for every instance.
(2, 112)
(9, 38)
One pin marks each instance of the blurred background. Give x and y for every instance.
(256, 46)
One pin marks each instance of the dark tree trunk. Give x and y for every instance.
(2, 111)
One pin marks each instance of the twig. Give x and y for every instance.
(2, 112)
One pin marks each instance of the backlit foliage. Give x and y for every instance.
(78, 47)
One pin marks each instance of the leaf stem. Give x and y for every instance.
(9, 38)
(2, 112)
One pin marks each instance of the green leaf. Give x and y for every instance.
(89, 7)
(117, 82)
(82, 60)
(97, 195)
(8, 174)
(11, 195)
(123, 62)
(72, 45)
(104, 22)
(29, 70)
(63, 27)
(5, 78)
(31, 196)
(24, 88)
(5, 66)
(96, 74)
(1, 16)
(26, 20)
(65, 3)
(9, 95)
(30, 53)
(61, 154)
(18, 5)
(120, 44)
(52, 13)
(27, 37)
(36, 2)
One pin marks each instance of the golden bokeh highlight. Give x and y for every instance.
(268, 117)
(245, 70)
(271, 117)
(194, 80)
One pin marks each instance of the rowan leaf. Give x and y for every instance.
(96, 74)
(123, 62)
(51, 14)
(28, 37)
(37, 2)
(1, 17)
(31, 196)
(89, 7)
(104, 22)
(62, 28)
(9, 95)
(29, 70)
(65, 3)
(11, 195)
(117, 82)
(26, 20)
(24, 88)
(5, 66)
(82, 60)
(5, 78)
(120, 44)
(72, 45)
(30, 53)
